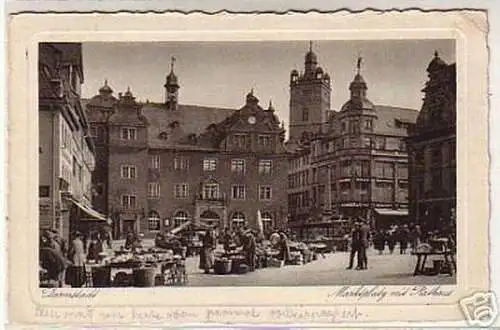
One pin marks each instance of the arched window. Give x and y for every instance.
(267, 222)
(154, 222)
(237, 220)
(180, 218)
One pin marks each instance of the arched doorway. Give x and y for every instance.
(210, 218)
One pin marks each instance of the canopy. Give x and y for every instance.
(393, 212)
(94, 215)
(180, 228)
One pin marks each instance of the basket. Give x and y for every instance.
(144, 277)
(222, 266)
(275, 263)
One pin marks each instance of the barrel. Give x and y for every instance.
(222, 266)
(144, 277)
(101, 277)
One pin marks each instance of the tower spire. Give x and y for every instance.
(358, 65)
(172, 62)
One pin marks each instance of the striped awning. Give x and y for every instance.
(94, 215)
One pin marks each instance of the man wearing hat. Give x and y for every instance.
(77, 275)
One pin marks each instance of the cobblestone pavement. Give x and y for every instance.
(386, 269)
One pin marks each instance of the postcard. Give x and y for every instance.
(313, 168)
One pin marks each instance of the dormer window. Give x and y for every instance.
(174, 124)
(129, 133)
(163, 135)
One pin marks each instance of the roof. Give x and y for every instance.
(387, 116)
(191, 119)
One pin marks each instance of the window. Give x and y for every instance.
(211, 190)
(237, 220)
(180, 218)
(209, 164)
(94, 132)
(369, 124)
(403, 184)
(267, 222)
(75, 166)
(305, 114)
(181, 190)
(154, 221)
(241, 141)
(367, 142)
(265, 166)
(153, 190)
(44, 191)
(380, 143)
(363, 186)
(129, 201)
(129, 133)
(402, 145)
(384, 169)
(343, 126)
(181, 163)
(238, 192)
(264, 140)
(129, 172)
(154, 161)
(265, 193)
(238, 165)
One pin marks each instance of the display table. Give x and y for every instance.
(449, 261)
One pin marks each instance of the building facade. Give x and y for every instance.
(66, 152)
(358, 164)
(432, 145)
(161, 165)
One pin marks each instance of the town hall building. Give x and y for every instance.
(161, 165)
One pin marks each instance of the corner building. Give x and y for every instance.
(355, 164)
(66, 152)
(164, 164)
(432, 146)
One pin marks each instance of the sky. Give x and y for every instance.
(221, 74)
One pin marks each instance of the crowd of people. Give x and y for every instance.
(64, 263)
(241, 238)
(404, 236)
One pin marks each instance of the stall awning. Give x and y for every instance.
(94, 215)
(180, 228)
(400, 213)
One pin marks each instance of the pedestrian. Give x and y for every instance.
(365, 240)
(227, 239)
(129, 241)
(52, 260)
(403, 239)
(250, 250)
(207, 251)
(76, 272)
(94, 246)
(284, 254)
(379, 242)
(355, 246)
(391, 240)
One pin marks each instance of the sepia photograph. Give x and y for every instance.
(247, 163)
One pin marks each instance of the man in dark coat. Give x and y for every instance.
(365, 240)
(250, 250)
(355, 246)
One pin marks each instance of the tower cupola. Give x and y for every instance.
(171, 88)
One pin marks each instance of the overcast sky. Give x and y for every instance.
(221, 74)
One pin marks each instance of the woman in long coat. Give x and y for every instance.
(284, 248)
(207, 251)
(77, 275)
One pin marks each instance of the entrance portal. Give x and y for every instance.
(210, 218)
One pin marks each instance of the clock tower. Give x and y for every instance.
(309, 97)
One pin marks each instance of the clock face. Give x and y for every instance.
(252, 120)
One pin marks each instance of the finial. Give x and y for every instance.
(436, 54)
(270, 103)
(172, 61)
(128, 89)
(106, 82)
(360, 59)
(251, 91)
(310, 46)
